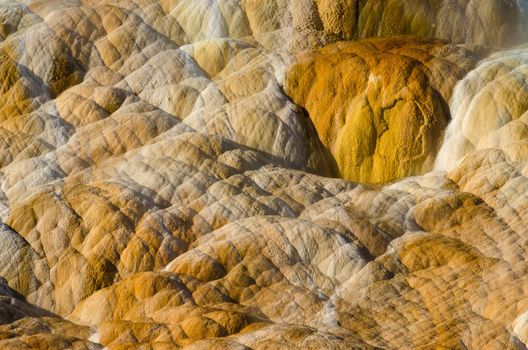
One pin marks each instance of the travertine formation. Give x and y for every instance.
(490, 110)
(380, 106)
(169, 174)
(490, 22)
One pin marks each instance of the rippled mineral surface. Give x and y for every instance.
(263, 174)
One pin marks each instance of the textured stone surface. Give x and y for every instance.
(26, 326)
(159, 189)
(380, 106)
(455, 20)
(490, 110)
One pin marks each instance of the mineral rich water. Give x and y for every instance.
(486, 115)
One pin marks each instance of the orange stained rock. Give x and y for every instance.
(380, 106)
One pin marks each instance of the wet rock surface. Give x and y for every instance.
(169, 175)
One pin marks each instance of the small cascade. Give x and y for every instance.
(489, 109)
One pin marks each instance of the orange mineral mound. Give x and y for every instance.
(380, 105)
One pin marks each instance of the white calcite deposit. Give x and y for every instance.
(160, 188)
